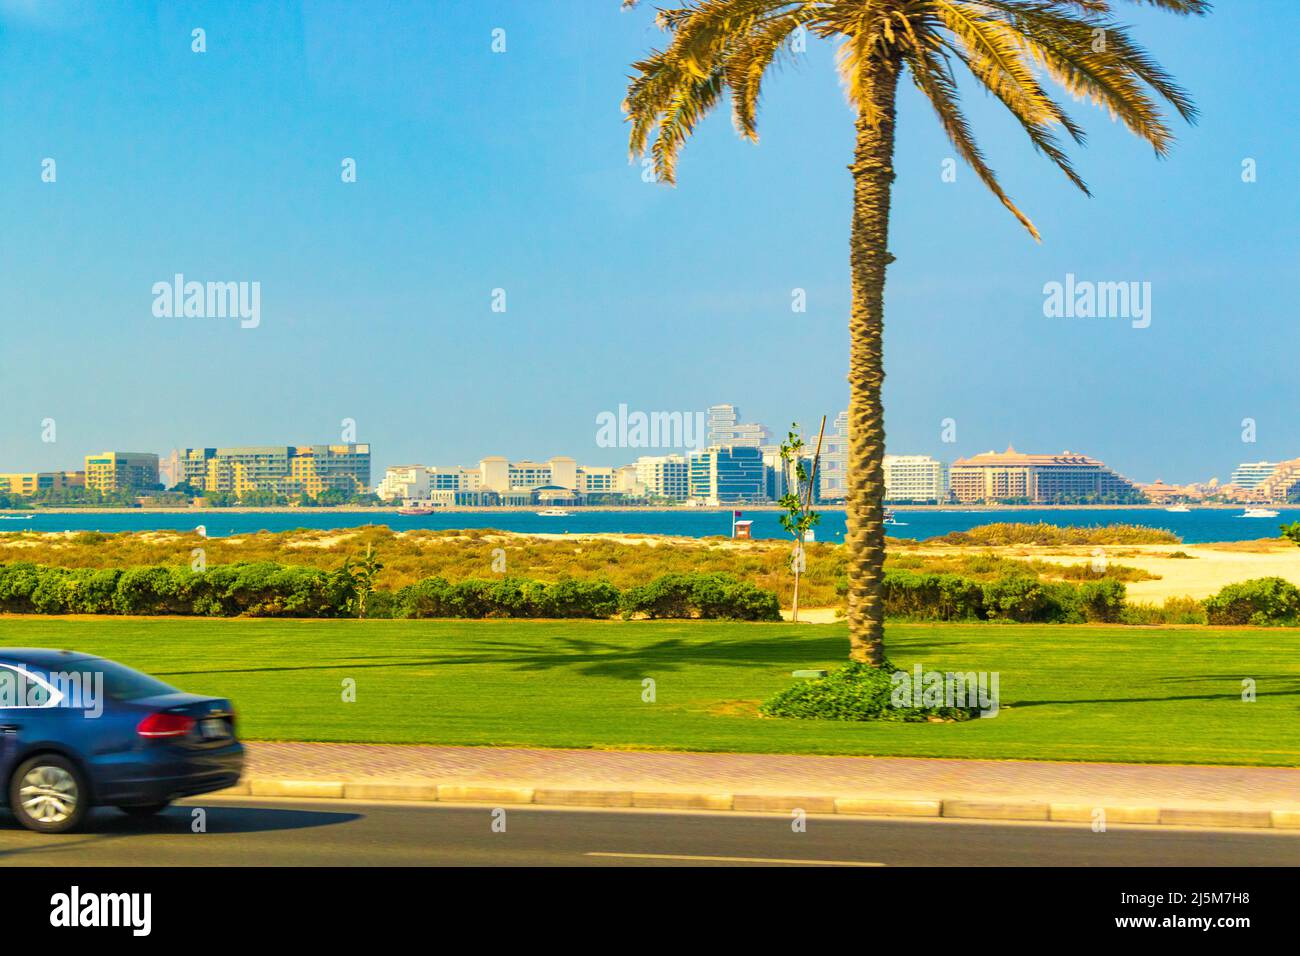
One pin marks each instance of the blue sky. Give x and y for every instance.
(479, 170)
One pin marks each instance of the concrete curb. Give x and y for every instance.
(425, 791)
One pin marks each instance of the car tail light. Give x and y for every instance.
(165, 725)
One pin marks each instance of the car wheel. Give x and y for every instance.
(144, 809)
(48, 794)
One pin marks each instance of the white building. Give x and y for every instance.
(500, 474)
(726, 428)
(663, 476)
(915, 478)
(833, 472)
(403, 482)
(1250, 473)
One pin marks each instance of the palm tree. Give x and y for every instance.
(720, 46)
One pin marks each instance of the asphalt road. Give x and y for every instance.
(242, 831)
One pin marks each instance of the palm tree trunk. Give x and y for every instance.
(873, 177)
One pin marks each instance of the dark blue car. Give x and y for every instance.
(78, 731)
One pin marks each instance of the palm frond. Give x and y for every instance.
(934, 78)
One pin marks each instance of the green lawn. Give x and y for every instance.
(1068, 692)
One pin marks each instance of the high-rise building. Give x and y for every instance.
(726, 428)
(728, 474)
(833, 472)
(664, 476)
(1038, 479)
(169, 469)
(289, 470)
(1250, 473)
(1281, 484)
(918, 478)
(121, 471)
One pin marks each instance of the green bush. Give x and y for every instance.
(1017, 597)
(703, 596)
(927, 596)
(1259, 601)
(1175, 610)
(854, 692)
(1102, 601)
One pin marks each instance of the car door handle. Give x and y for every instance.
(9, 728)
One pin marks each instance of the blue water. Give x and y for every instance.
(1197, 526)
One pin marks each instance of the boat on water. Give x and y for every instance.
(1258, 513)
(1178, 508)
(17, 517)
(553, 513)
(892, 519)
(414, 511)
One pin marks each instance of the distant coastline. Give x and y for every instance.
(588, 509)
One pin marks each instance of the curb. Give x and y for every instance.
(424, 791)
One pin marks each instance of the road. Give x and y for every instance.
(244, 831)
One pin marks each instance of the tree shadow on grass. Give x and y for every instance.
(592, 658)
(1288, 686)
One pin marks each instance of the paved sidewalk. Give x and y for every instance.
(1249, 796)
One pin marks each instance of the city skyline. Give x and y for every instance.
(382, 290)
(1246, 473)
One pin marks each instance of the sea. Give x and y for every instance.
(1195, 527)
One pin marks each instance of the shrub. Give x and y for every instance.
(147, 591)
(701, 595)
(506, 597)
(853, 692)
(1016, 597)
(941, 597)
(1042, 533)
(1258, 601)
(1102, 601)
(1175, 610)
(17, 583)
(427, 598)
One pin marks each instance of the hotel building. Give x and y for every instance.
(664, 476)
(916, 478)
(28, 483)
(728, 474)
(833, 472)
(121, 471)
(1282, 484)
(516, 480)
(288, 470)
(726, 428)
(1250, 473)
(1036, 479)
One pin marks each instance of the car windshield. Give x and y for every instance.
(122, 682)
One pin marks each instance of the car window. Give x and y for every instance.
(24, 689)
(121, 682)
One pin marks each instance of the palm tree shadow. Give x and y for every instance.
(1288, 685)
(586, 656)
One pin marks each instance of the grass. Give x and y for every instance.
(1087, 692)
